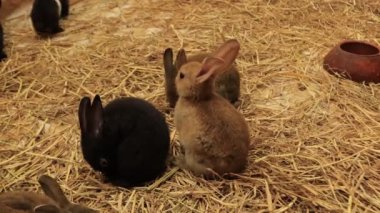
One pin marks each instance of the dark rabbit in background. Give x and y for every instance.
(2, 53)
(127, 141)
(54, 200)
(46, 14)
(227, 84)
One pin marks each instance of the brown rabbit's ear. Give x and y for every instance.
(181, 58)
(210, 66)
(83, 113)
(228, 51)
(46, 208)
(52, 189)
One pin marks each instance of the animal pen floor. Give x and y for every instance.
(315, 137)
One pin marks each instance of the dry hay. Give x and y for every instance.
(315, 137)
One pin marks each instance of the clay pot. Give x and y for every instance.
(356, 60)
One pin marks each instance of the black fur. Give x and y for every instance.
(45, 17)
(64, 8)
(170, 74)
(2, 53)
(128, 141)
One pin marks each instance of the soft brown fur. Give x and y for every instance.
(213, 134)
(227, 84)
(30, 202)
(8, 7)
(14, 202)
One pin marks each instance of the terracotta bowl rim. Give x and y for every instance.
(359, 42)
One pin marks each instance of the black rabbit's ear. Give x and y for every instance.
(91, 116)
(96, 117)
(170, 70)
(168, 59)
(83, 113)
(181, 58)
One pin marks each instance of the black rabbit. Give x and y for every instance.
(2, 53)
(128, 141)
(64, 8)
(46, 14)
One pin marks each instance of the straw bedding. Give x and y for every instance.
(315, 137)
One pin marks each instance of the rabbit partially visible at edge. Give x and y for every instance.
(46, 14)
(2, 53)
(54, 200)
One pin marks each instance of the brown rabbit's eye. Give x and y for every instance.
(181, 75)
(103, 162)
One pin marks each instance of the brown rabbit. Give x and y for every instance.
(213, 134)
(10, 7)
(227, 84)
(54, 202)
